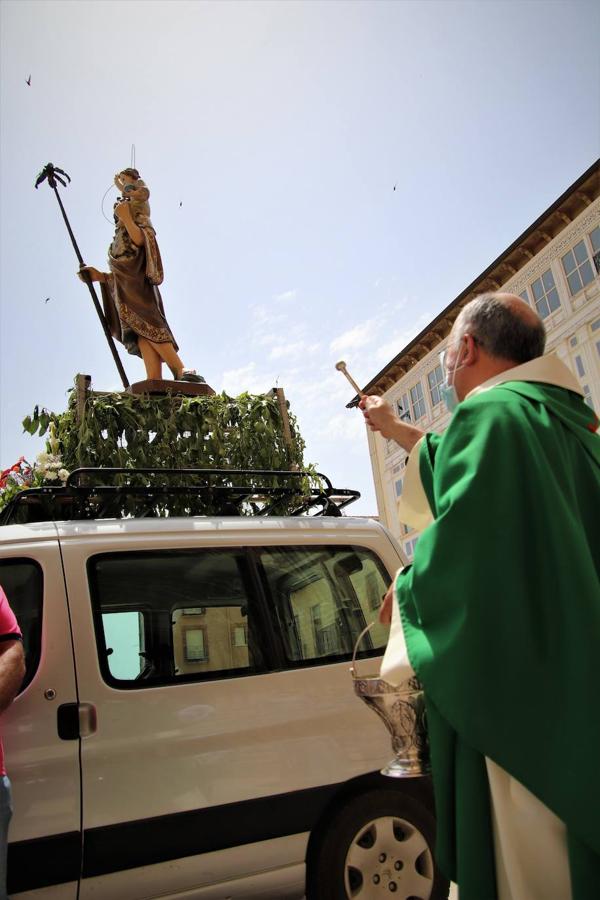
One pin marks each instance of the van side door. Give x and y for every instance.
(219, 736)
(39, 730)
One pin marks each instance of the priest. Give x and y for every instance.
(501, 609)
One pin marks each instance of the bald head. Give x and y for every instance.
(504, 326)
(518, 308)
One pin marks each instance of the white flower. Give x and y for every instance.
(42, 459)
(51, 476)
(63, 474)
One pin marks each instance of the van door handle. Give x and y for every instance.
(75, 720)
(88, 721)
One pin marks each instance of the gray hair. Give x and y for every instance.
(501, 330)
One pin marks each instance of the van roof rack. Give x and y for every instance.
(108, 493)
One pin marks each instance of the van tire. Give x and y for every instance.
(378, 844)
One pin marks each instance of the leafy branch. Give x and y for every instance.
(132, 431)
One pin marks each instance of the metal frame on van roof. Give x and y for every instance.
(86, 495)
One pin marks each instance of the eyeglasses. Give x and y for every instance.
(444, 353)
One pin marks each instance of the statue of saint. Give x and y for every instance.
(132, 303)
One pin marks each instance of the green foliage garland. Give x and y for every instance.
(142, 431)
(133, 431)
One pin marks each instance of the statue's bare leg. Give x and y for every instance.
(152, 359)
(169, 355)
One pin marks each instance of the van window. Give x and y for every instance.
(124, 634)
(23, 584)
(323, 597)
(166, 616)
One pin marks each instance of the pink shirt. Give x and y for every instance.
(9, 631)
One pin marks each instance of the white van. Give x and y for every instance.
(188, 726)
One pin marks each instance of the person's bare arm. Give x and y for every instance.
(380, 416)
(12, 671)
(123, 212)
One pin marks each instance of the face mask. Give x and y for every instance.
(449, 396)
(447, 389)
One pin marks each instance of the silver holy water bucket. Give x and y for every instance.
(402, 710)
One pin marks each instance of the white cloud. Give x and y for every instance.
(284, 352)
(293, 349)
(356, 337)
(347, 426)
(321, 387)
(265, 316)
(269, 338)
(286, 296)
(399, 339)
(246, 378)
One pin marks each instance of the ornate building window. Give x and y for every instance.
(404, 408)
(578, 268)
(435, 379)
(545, 294)
(595, 242)
(417, 401)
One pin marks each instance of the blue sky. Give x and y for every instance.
(281, 128)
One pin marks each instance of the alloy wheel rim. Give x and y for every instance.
(389, 857)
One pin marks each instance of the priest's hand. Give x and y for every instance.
(379, 415)
(91, 273)
(385, 610)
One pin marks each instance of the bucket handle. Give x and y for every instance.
(356, 646)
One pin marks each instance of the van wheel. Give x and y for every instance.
(380, 843)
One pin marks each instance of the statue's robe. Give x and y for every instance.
(501, 617)
(132, 303)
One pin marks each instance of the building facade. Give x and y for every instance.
(555, 267)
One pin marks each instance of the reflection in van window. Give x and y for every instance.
(22, 582)
(323, 597)
(164, 615)
(123, 633)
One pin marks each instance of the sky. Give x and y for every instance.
(271, 136)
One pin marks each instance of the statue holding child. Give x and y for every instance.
(132, 302)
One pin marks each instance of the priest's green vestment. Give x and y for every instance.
(501, 617)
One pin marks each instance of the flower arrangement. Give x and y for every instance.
(15, 479)
(48, 468)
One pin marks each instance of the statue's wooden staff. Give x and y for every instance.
(52, 174)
